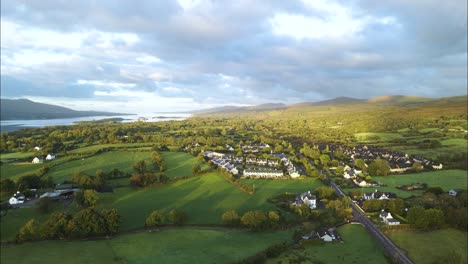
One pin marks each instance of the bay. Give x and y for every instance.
(14, 125)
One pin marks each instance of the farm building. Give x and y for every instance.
(17, 198)
(50, 157)
(37, 160)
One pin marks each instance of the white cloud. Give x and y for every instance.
(105, 84)
(148, 59)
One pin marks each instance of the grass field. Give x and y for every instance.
(204, 198)
(358, 247)
(371, 137)
(179, 164)
(168, 246)
(106, 161)
(442, 243)
(94, 148)
(16, 155)
(447, 179)
(15, 218)
(16, 170)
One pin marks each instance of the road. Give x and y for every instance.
(389, 247)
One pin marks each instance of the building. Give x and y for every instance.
(388, 219)
(37, 160)
(454, 192)
(306, 198)
(50, 157)
(17, 198)
(263, 173)
(328, 235)
(379, 195)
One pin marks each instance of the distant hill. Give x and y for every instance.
(393, 100)
(240, 109)
(337, 101)
(26, 109)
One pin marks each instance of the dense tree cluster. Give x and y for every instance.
(85, 223)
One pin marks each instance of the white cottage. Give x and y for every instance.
(388, 219)
(50, 157)
(37, 160)
(18, 198)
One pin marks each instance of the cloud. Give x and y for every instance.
(232, 52)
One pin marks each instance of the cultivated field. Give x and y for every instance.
(442, 245)
(358, 247)
(186, 245)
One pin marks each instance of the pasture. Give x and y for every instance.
(376, 137)
(179, 164)
(358, 247)
(447, 179)
(16, 155)
(18, 169)
(95, 148)
(204, 198)
(442, 244)
(185, 245)
(106, 161)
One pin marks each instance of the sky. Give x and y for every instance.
(150, 56)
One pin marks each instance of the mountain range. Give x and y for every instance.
(395, 100)
(28, 110)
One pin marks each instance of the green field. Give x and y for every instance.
(179, 164)
(185, 245)
(442, 243)
(357, 247)
(447, 179)
(94, 148)
(16, 170)
(204, 198)
(16, 155)
(377, 137)
(106, 161)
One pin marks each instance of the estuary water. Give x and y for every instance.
(14, 125)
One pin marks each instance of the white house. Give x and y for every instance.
(454, 192)
(37, 160)
(263, 173)
(37, 148)
(18, 198)
(437, 167)
(328, 235)
(306, 198)
(295, 174)
(50, 157)
(388, 219)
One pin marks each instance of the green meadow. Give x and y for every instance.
(122, 160)
(447, 179)
(179, 164)
(204, 198)
(18, 169)
(427, 247)
(357, 247)
(184, 245)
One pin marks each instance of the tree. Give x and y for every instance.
(360, 163)
(425, 219)
(231, 218)
(379, 167)
(43, 170)
(177, 217)
(28, 232)
(325, 192)
(156, 218)
(55, 227)
(273, 219)
(29, 182)
(88, 222)
(324, 159)
(140, 166)
(7, 186)
(254, 219)
(396, 206)
(86, 198)
(137, 180)
(196, 169)
(113, 220)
